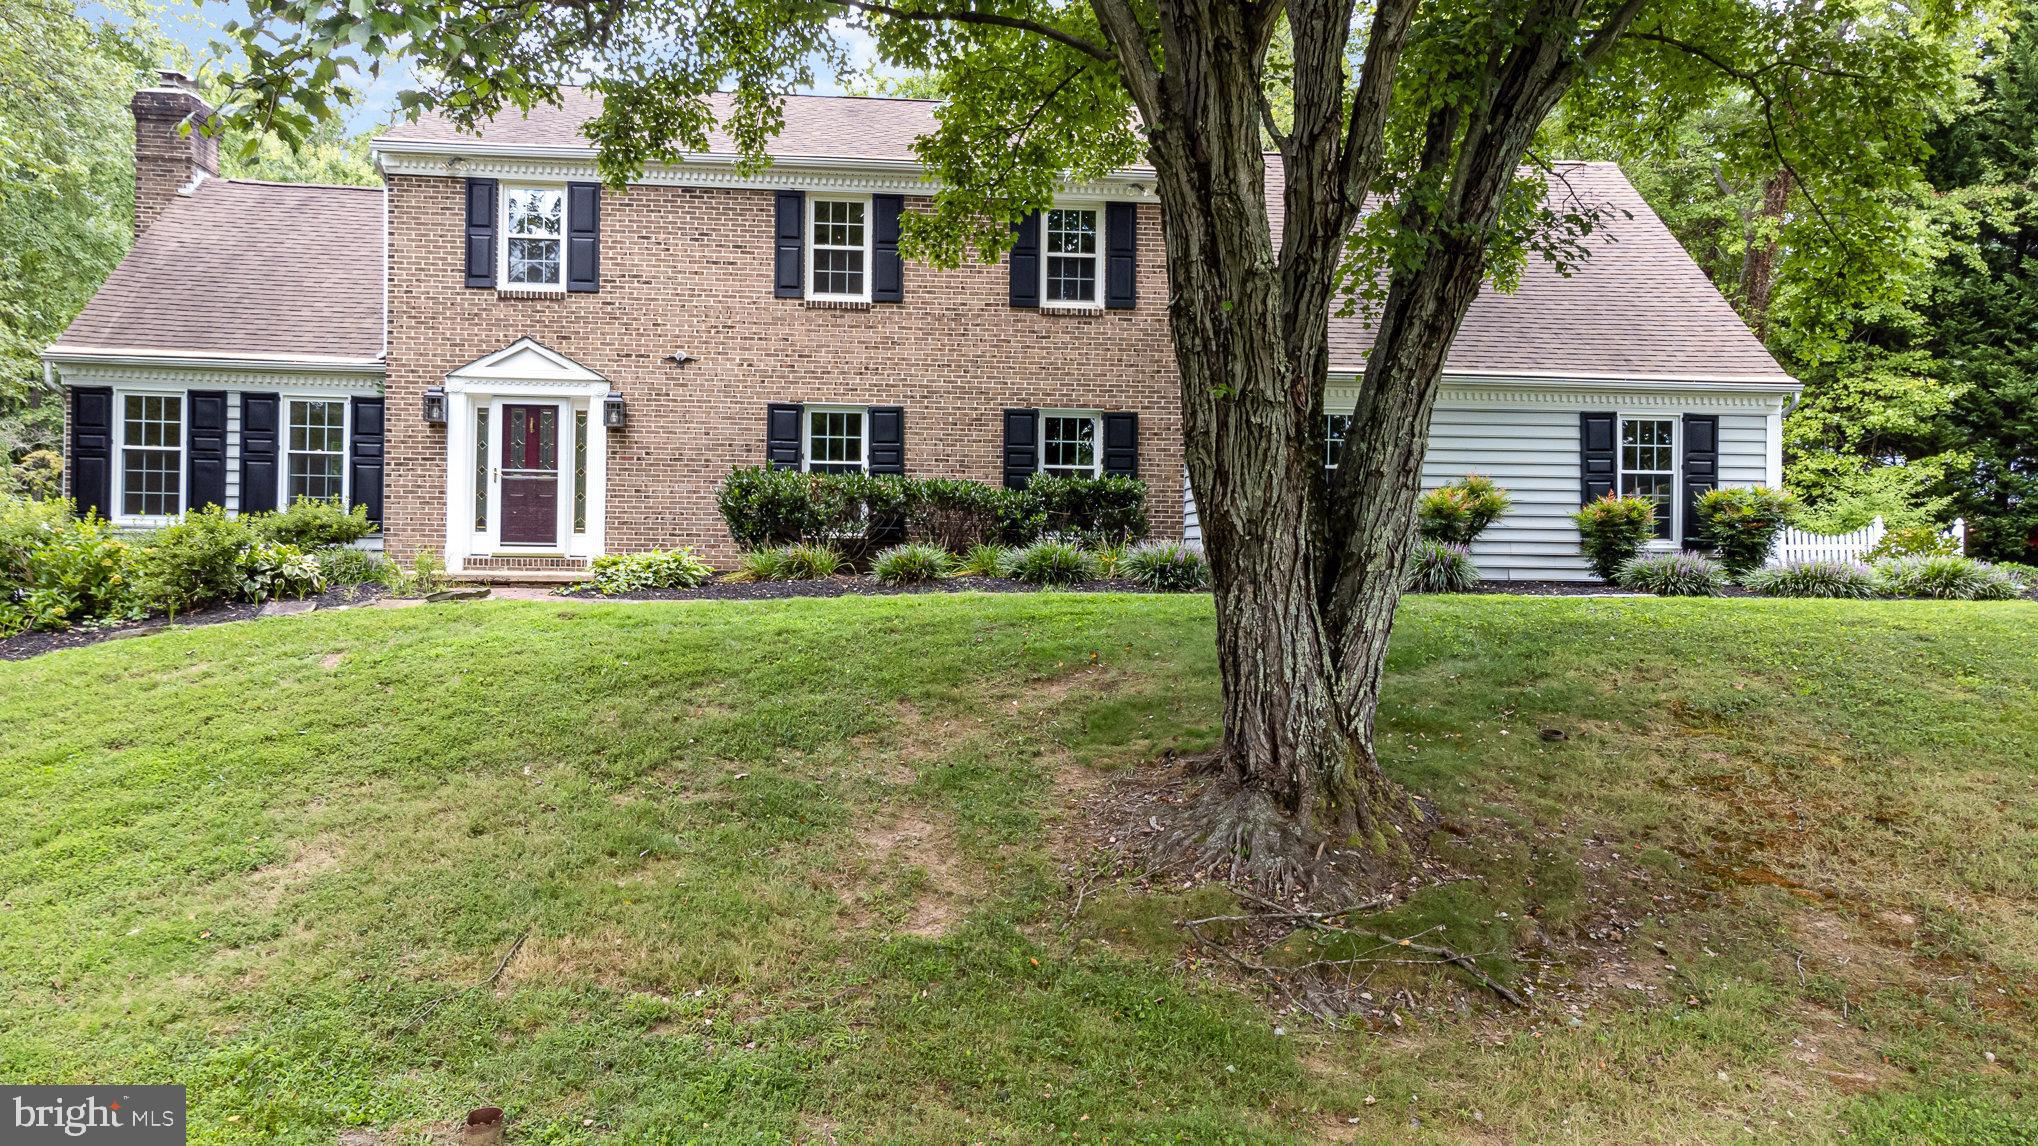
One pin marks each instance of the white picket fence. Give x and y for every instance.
(1797, 545)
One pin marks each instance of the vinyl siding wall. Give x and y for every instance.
(1526, 440)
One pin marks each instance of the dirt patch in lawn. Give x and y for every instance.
(904, 878)
(268, 886)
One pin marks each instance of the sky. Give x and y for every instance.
(195, 24)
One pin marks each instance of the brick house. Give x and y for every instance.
(519, 369)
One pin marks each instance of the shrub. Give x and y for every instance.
(910, 564)
(197, 561)
(1053, 563)
(39, 474)
(1612, 530)
(1100, 511)
(765, 507)
(312, 523)
(1165, 566)
(614, 573)
(984, 561)
(1459, 513)
(1915, 541)
(24, 526)
(1844, 579)
(1441, 567)
(76, 573)
(346, 565)
(1742, 523)
(953, 513)
(1675, 575)
(270, 571)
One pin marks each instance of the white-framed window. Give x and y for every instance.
(1071, 256)
(1069, 443)
(533, 255)
(1648, 467)
(315, 450)
(836, 439)
(1335, 427)
(151, 455)
(838, 257)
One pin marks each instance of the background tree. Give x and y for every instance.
(1427, 107)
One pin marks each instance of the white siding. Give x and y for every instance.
(1527, 441)
(1533, 455)
(233, 451)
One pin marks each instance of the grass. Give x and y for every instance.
(786, 871)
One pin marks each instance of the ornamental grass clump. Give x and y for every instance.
(1441, 567)
(1742, 523)
(1053, 563)
(1612, 530)
(910, 564)
(1848, 580)
(1674, 575)
(1165, 566)
(1460, 512)
(1942, 577)
(984, 561)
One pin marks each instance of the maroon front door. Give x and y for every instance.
(530, 475)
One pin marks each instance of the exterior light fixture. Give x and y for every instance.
(613, 415)
(435, 406)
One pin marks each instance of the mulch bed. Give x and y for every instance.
(849, 586)
(21, 646)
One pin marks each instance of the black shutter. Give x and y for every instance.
(1026, 263)
(1022, 447)
(364, 457)
(788, 244)
(782, 434)
(583, 237)
(481, 232)
(888, 271)
(1121, 445)
(1121, 256)
(1596, 454)
(92, 449)
(1701, 467)
(887, 446)
(205, 435)
(260, 419)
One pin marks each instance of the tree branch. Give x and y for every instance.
(1133, 53)
(1364, 150)
(993, 19)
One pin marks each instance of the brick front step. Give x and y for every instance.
(525, 570)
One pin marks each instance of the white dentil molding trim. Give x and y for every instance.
(307, 381)
(463, 159)
(64, 356)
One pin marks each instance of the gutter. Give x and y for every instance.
(1772, 383)
(211, 360)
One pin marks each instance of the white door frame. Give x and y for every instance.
(526, 374)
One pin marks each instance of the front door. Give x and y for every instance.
(530, 475)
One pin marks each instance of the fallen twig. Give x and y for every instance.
(424, 1012)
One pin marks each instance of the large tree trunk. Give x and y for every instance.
(1765, 247)
(1307, 572)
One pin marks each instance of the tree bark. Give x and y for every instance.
(1765, 246)
(1307, 571)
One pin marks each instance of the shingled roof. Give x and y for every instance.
(240, 268)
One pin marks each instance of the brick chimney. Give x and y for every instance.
(168, 161)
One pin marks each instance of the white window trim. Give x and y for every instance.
(814, 247)
(1621, 470)
(807, 435)
(1096, 419)
(1103, 245)
(283, 498)
(119, 516)
(503, 236)
(1328, 464)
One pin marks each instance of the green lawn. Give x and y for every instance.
(794, 871)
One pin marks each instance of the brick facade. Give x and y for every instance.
(690, 269)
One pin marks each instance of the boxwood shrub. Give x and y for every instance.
(856, 512)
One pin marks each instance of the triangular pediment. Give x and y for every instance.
(525, 360)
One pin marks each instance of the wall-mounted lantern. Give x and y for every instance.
(613, 415)
(435, 406)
